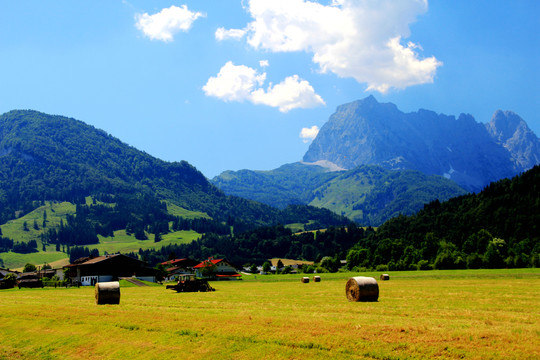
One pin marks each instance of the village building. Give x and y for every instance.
(4, 282)
(29, 280)
(89, 271)
(177, 267)
(223, 270)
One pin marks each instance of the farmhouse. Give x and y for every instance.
(29, 280)
(179, 267)
(4, 272)
(5, 283)
(89, 271)
(223, 270)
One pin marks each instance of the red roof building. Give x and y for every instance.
(224, 270)
(179, 266)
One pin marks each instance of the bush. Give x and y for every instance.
(423, 265)
(381, 267)
(474, 261)
(359, 269)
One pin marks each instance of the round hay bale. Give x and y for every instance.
(362, 288)
(305, 280)
(316, 279)
(385, 277)
(108, 293)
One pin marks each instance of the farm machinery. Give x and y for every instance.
(189, 283)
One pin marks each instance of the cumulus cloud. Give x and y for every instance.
(308, 134)
(234, 82)
(223, 34)
(264, 63)
(242, 83)
(163, 25)
(361, 39)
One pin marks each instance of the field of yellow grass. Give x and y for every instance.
(485, 314)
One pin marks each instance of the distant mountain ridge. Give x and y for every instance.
(366, 132)
(368, 194)
(348, 167)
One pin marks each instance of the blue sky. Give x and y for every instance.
(229, 85)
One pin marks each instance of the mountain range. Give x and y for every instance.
(366, 132)
(371, 162)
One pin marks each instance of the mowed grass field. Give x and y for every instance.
(484, 314)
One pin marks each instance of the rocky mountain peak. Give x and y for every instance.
(512, 132)
(366, 132)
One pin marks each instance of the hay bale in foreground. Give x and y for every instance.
(305, 280)
(362, 288)
(385, 277)
(108, 293)
(316, 279)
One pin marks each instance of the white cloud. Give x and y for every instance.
(234, 82)
(289, 94)
(240, 83)
(308, 134)
(351, 38)
(223, 34)
(264, 63)
(163, 25)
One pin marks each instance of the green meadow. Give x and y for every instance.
(57, 212)
(484, 314)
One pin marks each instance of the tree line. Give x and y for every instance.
(498, 227)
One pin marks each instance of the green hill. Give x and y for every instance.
(371, 195)
(65, 184)
(288, 184)
(498, 227)
(368, 194)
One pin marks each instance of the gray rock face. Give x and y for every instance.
(510, 131)
(472, 154)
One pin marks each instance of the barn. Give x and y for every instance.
(89, 271)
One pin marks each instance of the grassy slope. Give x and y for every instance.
(121, 242)
(341, 194)
(124, 243)
(483, 314)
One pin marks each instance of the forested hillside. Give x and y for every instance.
(48, 159)
(368, 194)
(44, 157)
(498, 227)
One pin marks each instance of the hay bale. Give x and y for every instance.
(305, 280)
(316, 279)
(362, 288)
(385, 277)
(108, 293)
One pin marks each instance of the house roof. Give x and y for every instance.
(186, 262)
(229, 275)
(98, 259)
(205, 263)
(175, 269)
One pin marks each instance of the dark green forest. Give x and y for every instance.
(498, 227)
